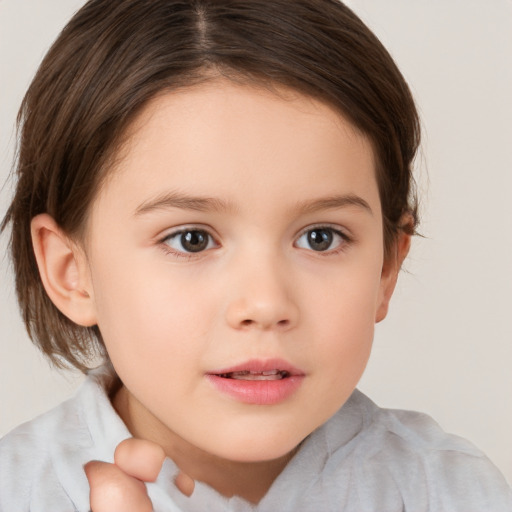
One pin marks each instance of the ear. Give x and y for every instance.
(64, 271)
(390, 270)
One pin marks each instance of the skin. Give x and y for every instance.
(120, 486)
(273, 164)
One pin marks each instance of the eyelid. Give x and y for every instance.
(176, 230)
(326, 225)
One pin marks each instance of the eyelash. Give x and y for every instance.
(183, 254)
(346, 240)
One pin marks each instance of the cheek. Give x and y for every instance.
(150, 315)
(135, 306)
(346, 319)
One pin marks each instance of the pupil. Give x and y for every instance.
(320, 239)
(194, 241)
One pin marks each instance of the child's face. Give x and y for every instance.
(240, 231)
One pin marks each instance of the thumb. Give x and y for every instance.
(139, 458)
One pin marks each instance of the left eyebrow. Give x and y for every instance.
(333, 203)
(184, 202)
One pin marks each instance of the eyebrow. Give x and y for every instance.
(184, 202)
(333, 203)
(213, 204)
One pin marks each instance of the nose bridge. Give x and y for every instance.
(261, 295)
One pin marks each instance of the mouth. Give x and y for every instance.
(258, 382)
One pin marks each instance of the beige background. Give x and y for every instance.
(446, 348)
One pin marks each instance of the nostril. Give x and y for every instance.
(281, 323)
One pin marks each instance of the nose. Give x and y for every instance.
(262, 297)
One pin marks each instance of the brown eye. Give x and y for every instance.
(194, 241)
(190, 240)
(321, 239)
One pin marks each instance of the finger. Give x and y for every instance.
(143, 460)
(139, 458)
(112, 490)
(185, 484)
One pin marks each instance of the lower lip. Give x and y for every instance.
(258, 392)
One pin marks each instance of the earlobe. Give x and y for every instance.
(63, 270)
(390, 271)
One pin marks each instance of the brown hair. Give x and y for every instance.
(115, 55)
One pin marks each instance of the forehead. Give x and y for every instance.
(232, 141)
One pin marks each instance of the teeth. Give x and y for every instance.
(249, 375)
(256, 376)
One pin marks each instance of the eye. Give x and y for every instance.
(321, 239)
(190, 240)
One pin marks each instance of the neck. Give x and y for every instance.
(249, 480)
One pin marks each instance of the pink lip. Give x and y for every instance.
(258, 392)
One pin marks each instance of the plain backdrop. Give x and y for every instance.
(446, 347)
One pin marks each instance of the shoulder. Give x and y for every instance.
(423, 464)
(41, 461)
(455, 471)
(30, 457)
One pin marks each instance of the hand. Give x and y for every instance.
(120, 486)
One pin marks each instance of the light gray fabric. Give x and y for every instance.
(363, 459)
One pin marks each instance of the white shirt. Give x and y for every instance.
(364, 459)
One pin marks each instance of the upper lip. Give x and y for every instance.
(259, 366)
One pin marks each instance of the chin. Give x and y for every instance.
(257, 448)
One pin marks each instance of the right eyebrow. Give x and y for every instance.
(171, 200)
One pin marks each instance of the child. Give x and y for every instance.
(217, 198)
